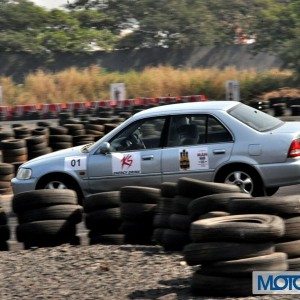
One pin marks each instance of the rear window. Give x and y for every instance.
(254, 118)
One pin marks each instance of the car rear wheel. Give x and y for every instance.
(246, 179)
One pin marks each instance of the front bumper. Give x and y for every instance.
(20, 186)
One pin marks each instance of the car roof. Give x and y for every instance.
(181, 107)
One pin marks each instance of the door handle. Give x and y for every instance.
(147, 157)
(219, 151)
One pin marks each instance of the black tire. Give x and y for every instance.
(157, 235)
(70, 212)
(244, 228)
(278, 205)
(37, 147)
(3, 217)
(138, 229)
(292, 248)
(61, 146)
(5, 184)
(254, 184)
(213, 214)
(169, 189)
(214, 202)
(138, 212)
(101, 200)
(221, 286)
(245, 266)
(271, 191)
(181, 204)
(4, 246)
(37, 153)
(40, 131)
(106, 239)
(35, 140)
(165, 206)
(58, 130)
(194, 188)
(45, 231)
(161, 220)
(180, 222)
(137, 194)
(6, 169)
(199, 253)
(13, 159)
(57, 139)
(42, 198)
(292, 228)
(4, 233)
(12, 144)
(104, 220)
(174, 240)
(294, 264)
(95, 127)
(14, 152)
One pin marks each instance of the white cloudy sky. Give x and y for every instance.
(50, 3)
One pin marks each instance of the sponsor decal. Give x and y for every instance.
(75, 163)
(265, 283)
(126, 163)
(193, 159)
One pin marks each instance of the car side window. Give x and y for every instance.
(186, 130)
(216, 132)
(144, 134)
(196, 129)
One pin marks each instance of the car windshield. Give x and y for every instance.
(254, 118)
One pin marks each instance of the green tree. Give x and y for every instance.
(278, 28)
(30, 28)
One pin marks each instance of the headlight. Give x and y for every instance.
(24, 173)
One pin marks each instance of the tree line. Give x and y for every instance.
(88, 25)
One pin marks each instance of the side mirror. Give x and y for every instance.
(105, 148)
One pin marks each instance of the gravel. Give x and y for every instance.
(96, 272)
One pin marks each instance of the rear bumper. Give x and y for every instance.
(283, 174)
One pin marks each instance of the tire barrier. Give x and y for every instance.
(227, 249)
(183, 207)
(103, 218)
(138, 207)
(4, 231)
(22, 132)
(36, 145)
(14, 151)
(47, 217)
(7, 172)
(288, 208)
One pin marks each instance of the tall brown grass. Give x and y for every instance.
(93, 83)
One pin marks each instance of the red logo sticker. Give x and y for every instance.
(126, 161)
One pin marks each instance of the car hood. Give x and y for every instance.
(288, 127)
(61, 153)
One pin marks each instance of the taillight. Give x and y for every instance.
(294, 150)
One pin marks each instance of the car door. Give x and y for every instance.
(196, 146)
(134, 158)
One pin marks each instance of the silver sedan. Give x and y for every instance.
(221, 141)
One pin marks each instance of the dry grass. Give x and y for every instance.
(93, 84)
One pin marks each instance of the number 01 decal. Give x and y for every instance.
(76, 163)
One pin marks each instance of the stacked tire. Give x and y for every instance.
(94, 129)
(4, 231)
(14, 151)
(138, 206)
(22, 132)
(177, 236)
(59, 138)
(7, 172)
(228, 249)
(47, 217)
(164, 210)
(37, 145)
(103, 218)
(287, 207)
